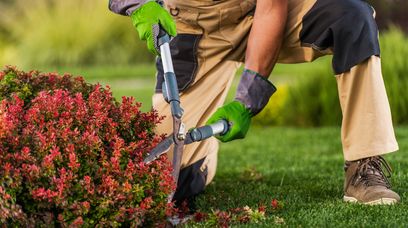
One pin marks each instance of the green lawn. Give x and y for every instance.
(303, 168)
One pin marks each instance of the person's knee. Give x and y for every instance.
(347, 27)
(358, 17)
(355, 35)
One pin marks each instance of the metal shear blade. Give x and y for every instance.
(161, 148)
(194, 135)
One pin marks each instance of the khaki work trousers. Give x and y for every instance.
(224, 27)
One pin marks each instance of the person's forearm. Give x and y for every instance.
(266, 36)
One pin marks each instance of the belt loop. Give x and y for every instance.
(174, 11)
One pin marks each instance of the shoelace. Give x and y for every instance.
(370, 172)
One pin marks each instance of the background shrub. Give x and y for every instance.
(394, 52)
(313, 100)
(71, 155)
(45, 33)
(273, 113)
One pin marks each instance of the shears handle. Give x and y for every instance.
(219, 128)
(169, 87)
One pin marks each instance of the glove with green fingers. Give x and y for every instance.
(148, 19)
(239, 118)
(252, 95)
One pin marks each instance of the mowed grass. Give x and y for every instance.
(303, 168)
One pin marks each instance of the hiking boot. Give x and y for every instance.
(367, 183)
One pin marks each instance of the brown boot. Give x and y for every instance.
(366, 182)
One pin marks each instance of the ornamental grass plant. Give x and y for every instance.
(71, 155)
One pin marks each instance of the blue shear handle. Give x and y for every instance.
(205, 132)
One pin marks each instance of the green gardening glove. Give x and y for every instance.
(252, 95)
(147, 21)
(239, 118)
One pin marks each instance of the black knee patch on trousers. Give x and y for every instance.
(346, 26)
(183, 50)
(191, 181)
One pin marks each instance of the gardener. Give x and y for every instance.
(215, 36)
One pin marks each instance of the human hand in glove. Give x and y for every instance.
(252, 95)
(147, 20)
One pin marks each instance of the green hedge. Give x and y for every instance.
(67, 33)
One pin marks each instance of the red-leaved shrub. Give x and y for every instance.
(71, 155)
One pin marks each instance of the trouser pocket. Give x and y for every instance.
(185, 62)
(235, 14)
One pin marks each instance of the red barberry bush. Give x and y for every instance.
(70, 155)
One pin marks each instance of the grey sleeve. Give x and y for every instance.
(125, 7)
(254, 91)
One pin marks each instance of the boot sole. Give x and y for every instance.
(381, 201)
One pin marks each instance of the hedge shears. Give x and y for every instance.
(180, 137)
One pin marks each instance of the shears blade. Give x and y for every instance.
(161, 148)
(164, 147)
(194, 135)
